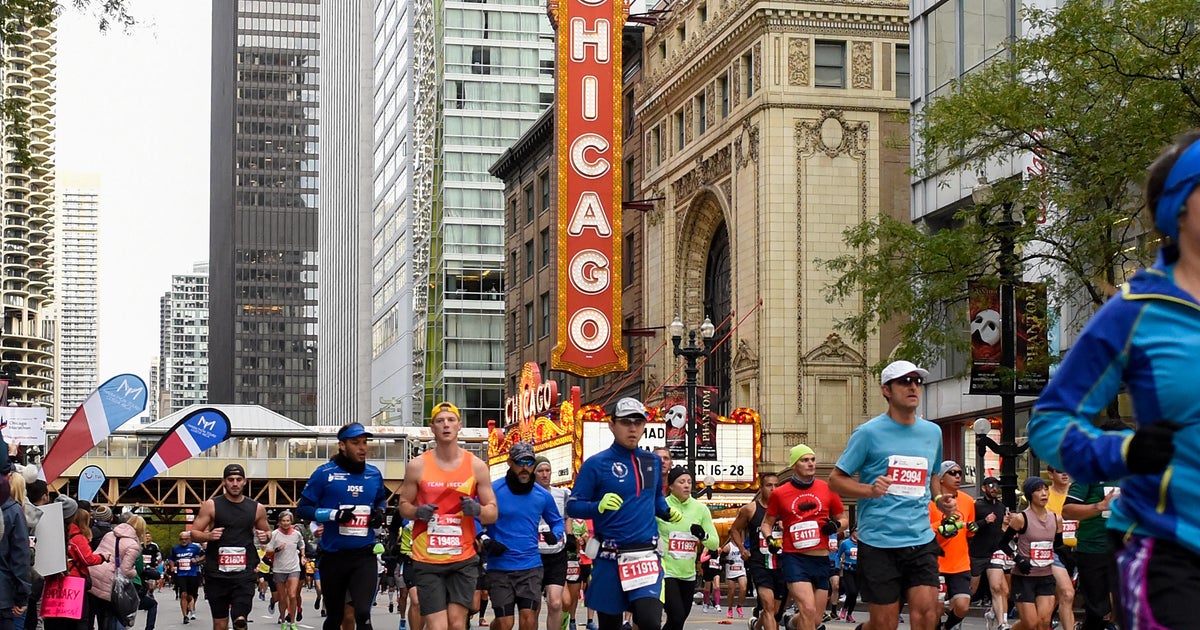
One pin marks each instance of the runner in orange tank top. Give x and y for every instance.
(445, 491)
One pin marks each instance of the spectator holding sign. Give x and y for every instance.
(895, 455)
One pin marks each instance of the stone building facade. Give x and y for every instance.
(770, 127)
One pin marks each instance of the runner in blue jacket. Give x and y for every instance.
(620, 489)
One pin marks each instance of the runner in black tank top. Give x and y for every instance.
(764, 562)
(228, 525)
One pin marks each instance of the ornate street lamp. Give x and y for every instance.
(691, 353)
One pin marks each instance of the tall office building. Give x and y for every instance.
(26, 269)
(455, 85)
(77, 292)
(344, 222)
(182, 374)
(263, 214)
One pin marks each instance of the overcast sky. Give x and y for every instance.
(133, 108)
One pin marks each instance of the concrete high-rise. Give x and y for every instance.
(345, 215)
(28, 215)
(182, 372)
(263, 206)
(77, 293)
(455, 85)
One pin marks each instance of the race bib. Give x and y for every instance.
(941, 588)
(854, 553)
(185, 564)
(1069, 529)
(445, 535)
(359, 525)
(736, 568)
(1041, 553)
(908, 475)
(682, 545)
(1000, 560)
(231, 559)
(804, 535)
(543, 547)
(833, 544)
(714, 562)
(637, 569)
(573, 570)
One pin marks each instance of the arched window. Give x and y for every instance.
(718, 301)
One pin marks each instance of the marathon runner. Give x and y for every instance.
(809, 513)
(554, 556)
(348, 496)
(579, 566)
(445, 490)
(764, 562)
(185, 561)
(151, 557)
(1088, 504)
(682, 541)
(895, 455)
(1064, 555)
(952, 531)
(513, 559)
(230, 523)
(619, 488)
(1037, 531)
(735, 576)
(847, 560)
(989, 514)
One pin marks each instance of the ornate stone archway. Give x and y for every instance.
(697, 227)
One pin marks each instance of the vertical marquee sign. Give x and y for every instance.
(589, 185)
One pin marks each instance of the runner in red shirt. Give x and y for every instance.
(810, 513)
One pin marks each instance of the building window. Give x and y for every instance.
(545, 314)
(512, 273)
(723, 94)
(512, 215)
(662, 49)
(628, 192)
(902, 73)
(545, 247)
(528, 259)
(701, 104)
(544, 186)
(629, 113)
(656, 145)
(748, 74)
(830, 61)
(702, 13)
(629, 339)
(627, 263)
(529, 204)
(528, 323)
(481, 60)
(512, 329)
(682, 32)
(680, 139)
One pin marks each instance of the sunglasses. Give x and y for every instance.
(525, 462)
(909, 380)
(630, 421)
(956, 473)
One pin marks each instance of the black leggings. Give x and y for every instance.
(647, 615)
(850, 588)
(348, 575)
(679, 601)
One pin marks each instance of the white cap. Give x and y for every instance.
(896, 369)
(629, 408)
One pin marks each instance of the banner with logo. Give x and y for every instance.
(24, 425)
(589, 186)
(195, 433)
(677, 417)
(1031, 326)
(1033, 339)
(91, 479)
(111, 405)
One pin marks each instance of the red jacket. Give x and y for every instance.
(79, 553)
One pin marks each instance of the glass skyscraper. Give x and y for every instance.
(263, 214)
(78, 261)
(456, 83)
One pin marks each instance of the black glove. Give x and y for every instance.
(426, 512)
(471, 507)
(493, 547)
(572, 544)
(698, 532)
(1023, 564)
(549, 538)
(345, 515)
(377, 518)
(830, 527)
(1151, 448)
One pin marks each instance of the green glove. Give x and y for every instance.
(674, 515)
(610, 502)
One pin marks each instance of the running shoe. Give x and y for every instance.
(741, 613)
(707, 608)
(591, 625)
(271, 607)
(185, 620)
(849, 618)
(403, 624)
(718, 609)
(828, 617)
(192, 615)
(752, 622)
(729, 612)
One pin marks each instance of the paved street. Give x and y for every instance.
(169, 617)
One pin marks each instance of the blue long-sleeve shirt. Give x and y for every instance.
(517, 526)
(635, 476)
(847, 555)
(1147, 338)
(332, 488)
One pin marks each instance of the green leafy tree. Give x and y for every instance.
(1095, 89)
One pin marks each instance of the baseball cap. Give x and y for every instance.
(233, 469)
(896, 369)
(520, 450)
(798, 451)
(629, 408)
(445, 406)
(353, 430)
(1032, 484)
(947, 466)
(987, 481)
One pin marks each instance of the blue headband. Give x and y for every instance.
(1181, 181)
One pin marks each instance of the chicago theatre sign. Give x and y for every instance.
(589, 185)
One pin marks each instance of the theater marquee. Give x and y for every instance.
(589, 186)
